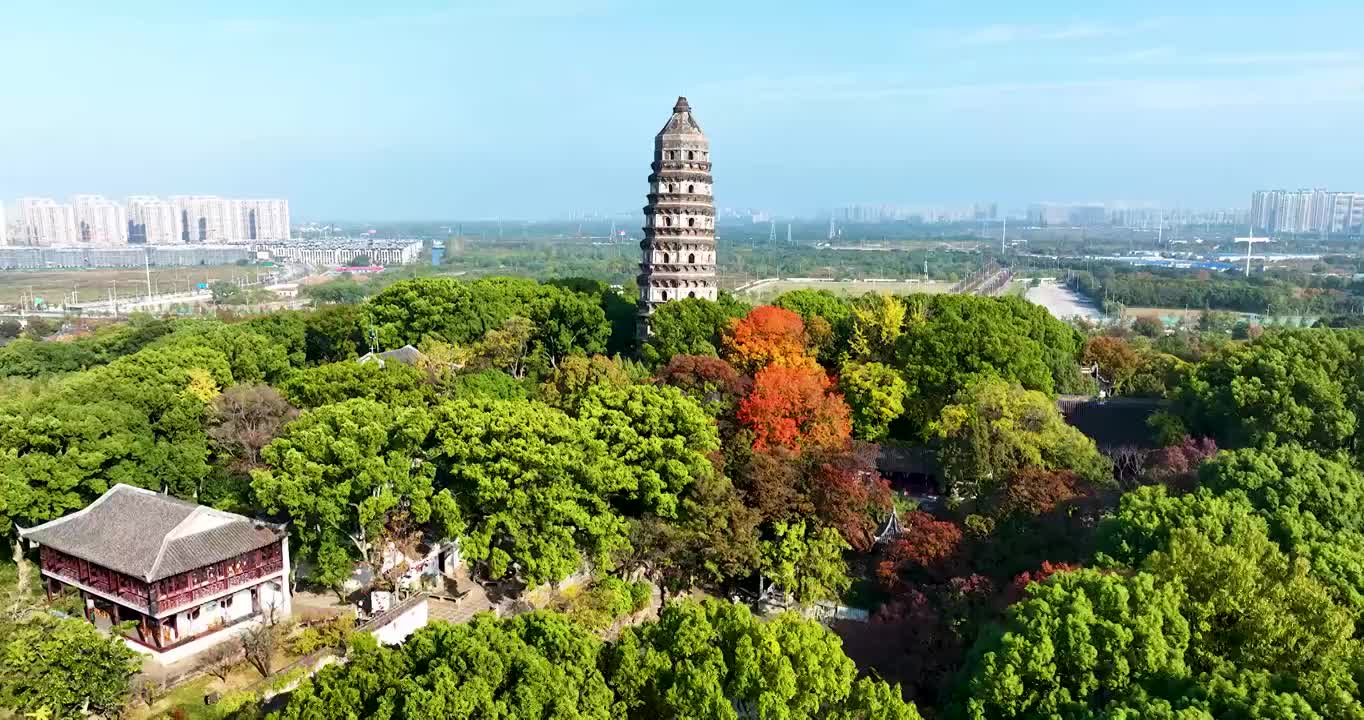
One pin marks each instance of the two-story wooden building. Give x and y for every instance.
(185, 574)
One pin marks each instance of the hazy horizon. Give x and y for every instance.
(545, 109)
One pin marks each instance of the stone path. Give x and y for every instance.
(474, 601)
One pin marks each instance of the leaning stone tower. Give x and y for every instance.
(679, 221)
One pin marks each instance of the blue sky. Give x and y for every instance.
(536, 109)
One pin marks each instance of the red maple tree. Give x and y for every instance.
(792, 407)
(704, 377)
(927, 549)
(767, 336)
(848, 493)
(1176, 466)
(1032, 492)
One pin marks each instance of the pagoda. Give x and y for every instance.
(678, 258)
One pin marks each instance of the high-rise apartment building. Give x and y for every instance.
(207, 219)
(99, 221)
(4, 228)
(212, 219)
(93, 220)
(153, 221)
(1307, 211)
(46, 222)
(265, 220)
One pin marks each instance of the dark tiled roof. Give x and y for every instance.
(151, 536)
(1112, 423)
(681, 122)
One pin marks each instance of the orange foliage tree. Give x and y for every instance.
(792, 407)
(767, 336)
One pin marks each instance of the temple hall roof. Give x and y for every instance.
(151, 536)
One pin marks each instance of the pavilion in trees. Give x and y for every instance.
(186, 576)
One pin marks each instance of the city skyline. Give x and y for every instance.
(361, 113)
(96, 221)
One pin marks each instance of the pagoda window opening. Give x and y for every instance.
(666, 258)
(665, 294)
(691, 222)
(691, 294)
(668, 221)
(691, 258)
(691, 155)
(691, 189)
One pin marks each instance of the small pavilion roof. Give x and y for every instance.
(406, 355)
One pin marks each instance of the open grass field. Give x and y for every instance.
(769, 290)
(1171, 316)
(55, 285)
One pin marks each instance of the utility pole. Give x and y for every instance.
(1250, 243)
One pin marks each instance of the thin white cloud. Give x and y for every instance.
(1168, 55)
(992, 35)
(456, 14)
(1332, 85)
(1007, 33)
(1309, 57)
(1141, 56)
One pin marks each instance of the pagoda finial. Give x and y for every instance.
(681, 105)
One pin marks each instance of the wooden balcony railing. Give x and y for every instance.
(188, 597)
(134, 599)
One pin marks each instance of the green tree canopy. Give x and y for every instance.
(354, 473)
(1302, 494)
(393, 383)
(446, 310)
(1079, 639)
(251, 356)
(63, 668)
(715, 660)
(1286, 387)
(334, 333)
(1250, 606)
(805, 560)
(575, 375)
(690, 326)
(661, 435)
(1148, 516)
(539, 665)
(994, 428)
(876, 395)
(535, 485)
(488, 383)
(949, 341)
(712, 660)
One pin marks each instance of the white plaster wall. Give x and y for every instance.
(222, 611)
(398, 629)
(194, 647)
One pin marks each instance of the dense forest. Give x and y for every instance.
(1217, 575)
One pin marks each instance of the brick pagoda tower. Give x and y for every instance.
(679, 221)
